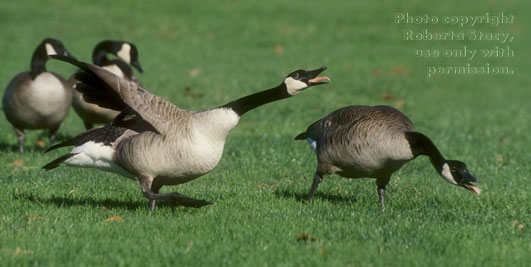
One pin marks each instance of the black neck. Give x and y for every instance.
(38, 61)
(246, 103)
(99, 54)
(99, 57)
(422, 145)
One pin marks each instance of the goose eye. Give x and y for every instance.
(296, 76)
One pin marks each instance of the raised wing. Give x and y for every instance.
(105, 89)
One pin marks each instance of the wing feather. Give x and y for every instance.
(104, 88)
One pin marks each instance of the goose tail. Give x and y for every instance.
(301, 136)
(54, 164)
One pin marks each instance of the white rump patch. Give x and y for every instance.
(125, 53)
(294, 86)
(313, 144)
(447, 174)
(50, 51)
(96, 155)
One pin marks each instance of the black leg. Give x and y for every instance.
(145, 183)
(152, 202)
(381, 183)
(88, 125)
(20, 137)
(188, 201)
(52, 135)
(381, 196)
(317, 178)
(177, 198)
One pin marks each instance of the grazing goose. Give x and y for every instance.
(127, 53)
(374, 142)
(38, 99)
(154, 141)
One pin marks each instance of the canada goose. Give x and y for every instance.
(161, 144)
(374, 142)
(38, 99)
(127, 54)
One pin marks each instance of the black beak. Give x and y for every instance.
(313, 73)
(313, 79)
(67, 54)
(467, 180)
(471, 179)
(136, 64)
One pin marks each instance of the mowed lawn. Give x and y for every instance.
(205, 54)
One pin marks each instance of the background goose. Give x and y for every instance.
(364, 141)
(38, 99)
(161, 144)
(127, 55)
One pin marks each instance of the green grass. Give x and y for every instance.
(59, 217)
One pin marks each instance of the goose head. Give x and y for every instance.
(299, 80)
(126, 51)
(51, 47)
(129, 54)
(48, 47)
(456, 173)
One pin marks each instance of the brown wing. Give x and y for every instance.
(155, 110)
(362, 121)
(105, 89)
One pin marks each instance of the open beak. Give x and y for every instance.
(136, 64)
(469, 178)
(316, 80)
(472, 188)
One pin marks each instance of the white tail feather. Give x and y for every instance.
(96, 155)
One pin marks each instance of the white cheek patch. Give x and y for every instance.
(50, 51)
(125, 53)
(447, 174)
(294, 86)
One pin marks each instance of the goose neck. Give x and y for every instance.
(422, 145)
(247, 103)
(38, 61)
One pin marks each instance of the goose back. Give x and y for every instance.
(362, 141)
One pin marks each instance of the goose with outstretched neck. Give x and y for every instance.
(155, 142)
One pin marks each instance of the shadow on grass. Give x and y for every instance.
(301, 197)
(9, 147)
(61, 201)
(30, 144)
